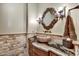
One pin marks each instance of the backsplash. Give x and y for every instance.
(12, 44)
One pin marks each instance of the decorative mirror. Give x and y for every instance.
(46, 22)
(51, 13)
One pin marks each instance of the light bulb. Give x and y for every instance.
(68, 39)
(33, 21)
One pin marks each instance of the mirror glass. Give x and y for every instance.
(48, 18)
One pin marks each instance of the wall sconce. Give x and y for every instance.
(33, 21)
(62, 12)
(39, 20)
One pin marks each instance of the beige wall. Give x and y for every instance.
(59, 27)
(32, 17)
(36, 11)
(12, 18)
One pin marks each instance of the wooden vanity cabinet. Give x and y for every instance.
(34, 51)
(39, 52)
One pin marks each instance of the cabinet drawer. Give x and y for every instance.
(39, 52)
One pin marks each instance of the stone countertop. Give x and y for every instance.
(48, 48)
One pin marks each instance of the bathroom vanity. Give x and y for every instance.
(42, 49)
(35, 50)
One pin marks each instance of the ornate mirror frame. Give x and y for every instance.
(53, 22)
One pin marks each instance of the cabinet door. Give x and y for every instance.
(52, 53)
(39, 52)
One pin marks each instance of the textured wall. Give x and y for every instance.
(12, 45)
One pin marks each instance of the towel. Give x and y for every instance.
(70, 29)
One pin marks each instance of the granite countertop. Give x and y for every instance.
(48, 48)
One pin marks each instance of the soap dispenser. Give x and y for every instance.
(68, 43)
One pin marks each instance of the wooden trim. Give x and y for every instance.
(45, 34)
(50, 34)
(14, 34)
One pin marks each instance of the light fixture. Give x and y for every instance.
(61, 12)
(39, 20)
(33, 21)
